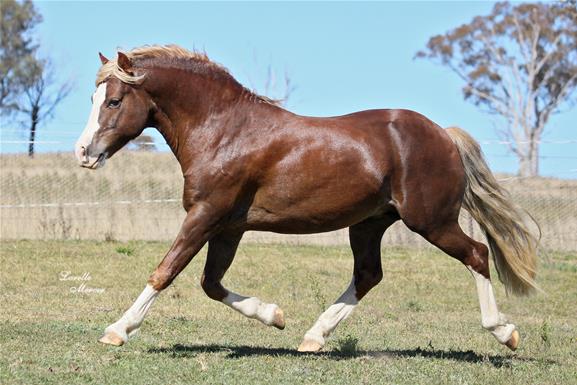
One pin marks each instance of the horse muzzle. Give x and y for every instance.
(89, 159)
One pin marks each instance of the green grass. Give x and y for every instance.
(421, 325)
(126, 250)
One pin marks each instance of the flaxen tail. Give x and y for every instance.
(512, 245)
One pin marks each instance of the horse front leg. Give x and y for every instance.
(221, 251)
(197, 228)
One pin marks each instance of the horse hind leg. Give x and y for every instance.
(221, 251)
(365, 239)
(475, 256)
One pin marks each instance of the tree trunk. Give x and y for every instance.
(524, 168)
(535, 161)
(34, 123)
(529, 161)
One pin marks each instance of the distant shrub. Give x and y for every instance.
(348, 345)
(126, 250)
(545, 333)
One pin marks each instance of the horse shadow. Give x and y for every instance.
(242, 351)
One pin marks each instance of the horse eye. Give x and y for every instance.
(114, 103)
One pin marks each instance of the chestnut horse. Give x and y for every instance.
(249, 164)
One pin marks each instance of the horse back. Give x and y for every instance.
(327, 173)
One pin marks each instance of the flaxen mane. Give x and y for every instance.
(168, 56)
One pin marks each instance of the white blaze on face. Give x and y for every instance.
(92, 126)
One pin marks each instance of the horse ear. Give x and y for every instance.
(124, 62)
(103, 58)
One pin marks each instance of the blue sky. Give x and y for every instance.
(341, 57)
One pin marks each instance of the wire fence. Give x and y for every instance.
(137, 196)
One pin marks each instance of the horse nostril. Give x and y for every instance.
(84, 154)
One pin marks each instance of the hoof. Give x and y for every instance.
(309, 346)
(513, 342)
(111, 338)
(278, 321)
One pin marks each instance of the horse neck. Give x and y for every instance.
(194, 111)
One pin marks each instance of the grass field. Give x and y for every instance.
(421, 325)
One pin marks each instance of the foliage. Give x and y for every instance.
(28, 88)
(519, 62)
(18, 64)
(545, 334)
(40, 99)
(348, 345)
(126, 250)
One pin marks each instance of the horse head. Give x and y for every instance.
(120, 112)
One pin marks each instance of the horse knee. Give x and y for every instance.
(161, 278)
(213, 288)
